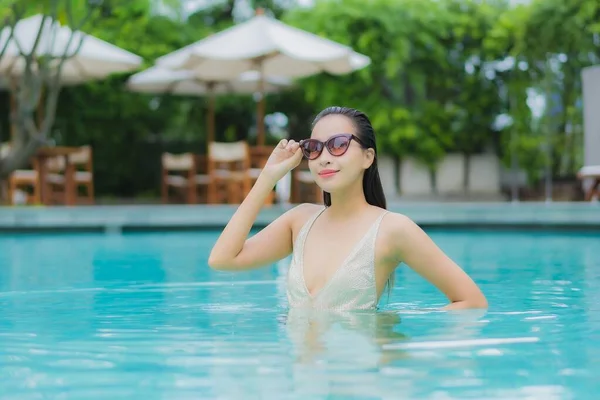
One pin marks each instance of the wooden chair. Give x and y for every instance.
(591, 172)
(22, 179)
(229, 172)
(259, 156)
(179, 171)
(82, 161)
(84, 175)
(302, 181)
(55, 179)
(201, 178)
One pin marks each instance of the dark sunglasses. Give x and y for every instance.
(336, 145)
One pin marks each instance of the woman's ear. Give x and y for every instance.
(369, 158)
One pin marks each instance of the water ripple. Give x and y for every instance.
(89, 317)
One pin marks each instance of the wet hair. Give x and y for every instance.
(372, 187)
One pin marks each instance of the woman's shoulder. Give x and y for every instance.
(301, 213)
(304, 211)
(395, 224)
(394, 234)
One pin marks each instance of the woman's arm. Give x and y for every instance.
(415, 248)
(233, 250)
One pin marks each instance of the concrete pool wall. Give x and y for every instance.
(115, 219)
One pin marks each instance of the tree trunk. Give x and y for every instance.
(23, 147)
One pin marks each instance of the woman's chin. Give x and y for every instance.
(328, 187)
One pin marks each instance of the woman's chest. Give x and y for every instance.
(349, 259)
(327, 251)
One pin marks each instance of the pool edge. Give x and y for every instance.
(152, 218)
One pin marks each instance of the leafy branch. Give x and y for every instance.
(40, 75)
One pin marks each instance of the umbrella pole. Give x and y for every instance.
(260, 109)
(210, 121)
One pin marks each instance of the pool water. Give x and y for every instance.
(142, 316)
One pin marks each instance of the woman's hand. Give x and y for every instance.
(285, 157)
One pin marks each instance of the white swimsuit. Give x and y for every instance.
(352, 286)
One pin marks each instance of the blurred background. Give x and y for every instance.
(471, 100)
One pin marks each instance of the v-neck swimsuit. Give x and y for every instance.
(351, 287)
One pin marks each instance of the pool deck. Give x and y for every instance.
(132, 218)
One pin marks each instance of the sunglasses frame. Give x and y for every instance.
(323, 145)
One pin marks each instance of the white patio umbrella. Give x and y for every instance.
(181, 82)
(269, 46)
(88, 58)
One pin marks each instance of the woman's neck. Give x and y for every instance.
(348, 203)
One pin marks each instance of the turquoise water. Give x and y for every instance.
(142, 316)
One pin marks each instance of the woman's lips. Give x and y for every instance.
(327, 173)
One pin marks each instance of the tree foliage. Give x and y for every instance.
(427, 89)
(446, 76)
(32, 77)
(551, 41)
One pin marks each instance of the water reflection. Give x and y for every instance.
(353, 336)
(368, 353)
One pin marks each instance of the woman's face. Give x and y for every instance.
(333, 173)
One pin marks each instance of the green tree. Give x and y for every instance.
(546, 44)
(518, 146)
(38, 84)
(419, 91)
(566, 41)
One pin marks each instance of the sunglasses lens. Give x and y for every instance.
(338, 145)
(312, 149)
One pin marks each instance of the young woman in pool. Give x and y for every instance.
(345, 253)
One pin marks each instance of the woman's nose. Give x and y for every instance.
(324, 158)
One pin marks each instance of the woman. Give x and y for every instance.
(346, 252)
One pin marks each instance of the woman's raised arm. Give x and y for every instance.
(233, 250)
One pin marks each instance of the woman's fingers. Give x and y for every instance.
(292, 145)
(289, 145)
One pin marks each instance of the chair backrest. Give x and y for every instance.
(178, 162)
(55, 164)
(228, 152)
(228, 156)
(82, 157)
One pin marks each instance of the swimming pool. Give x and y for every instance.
(94, 316)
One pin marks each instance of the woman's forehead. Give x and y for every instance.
(332, 125)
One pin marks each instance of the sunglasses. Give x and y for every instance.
(336, 145)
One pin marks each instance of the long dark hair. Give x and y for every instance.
(372, 186)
